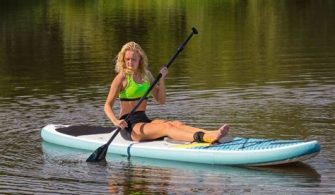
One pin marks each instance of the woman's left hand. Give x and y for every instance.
(164, 71)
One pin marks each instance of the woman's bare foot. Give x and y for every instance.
(223, 132)
(216, 135)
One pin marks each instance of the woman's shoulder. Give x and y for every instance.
(120, 76)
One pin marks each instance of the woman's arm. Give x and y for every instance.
(114, 90)
(159, 91)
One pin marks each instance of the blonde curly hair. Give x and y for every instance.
(121, 67)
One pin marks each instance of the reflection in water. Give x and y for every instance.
(158, 176)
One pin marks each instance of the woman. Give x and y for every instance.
(130, 84)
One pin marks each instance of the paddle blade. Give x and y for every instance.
(99, 154)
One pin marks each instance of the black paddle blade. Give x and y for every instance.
(99, 154)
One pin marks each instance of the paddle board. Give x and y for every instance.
(233, 151)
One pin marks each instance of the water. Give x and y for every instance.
(265, 67)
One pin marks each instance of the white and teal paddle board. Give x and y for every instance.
(233, 151)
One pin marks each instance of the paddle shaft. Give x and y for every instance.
(100, 153)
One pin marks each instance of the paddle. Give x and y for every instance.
(100, 153)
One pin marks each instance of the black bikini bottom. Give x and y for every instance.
(137, 117)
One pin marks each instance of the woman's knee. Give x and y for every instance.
(169, 125)
(177, 123)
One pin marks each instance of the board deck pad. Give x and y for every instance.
(79, 130)
(239, 143)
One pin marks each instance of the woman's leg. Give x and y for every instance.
(181, 125)
(160, 128)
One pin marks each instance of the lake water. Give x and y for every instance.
(265, 67)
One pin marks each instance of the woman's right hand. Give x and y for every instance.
(121, 124)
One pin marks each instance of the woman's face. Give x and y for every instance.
(132, 60)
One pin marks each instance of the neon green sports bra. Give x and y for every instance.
(133, 90)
